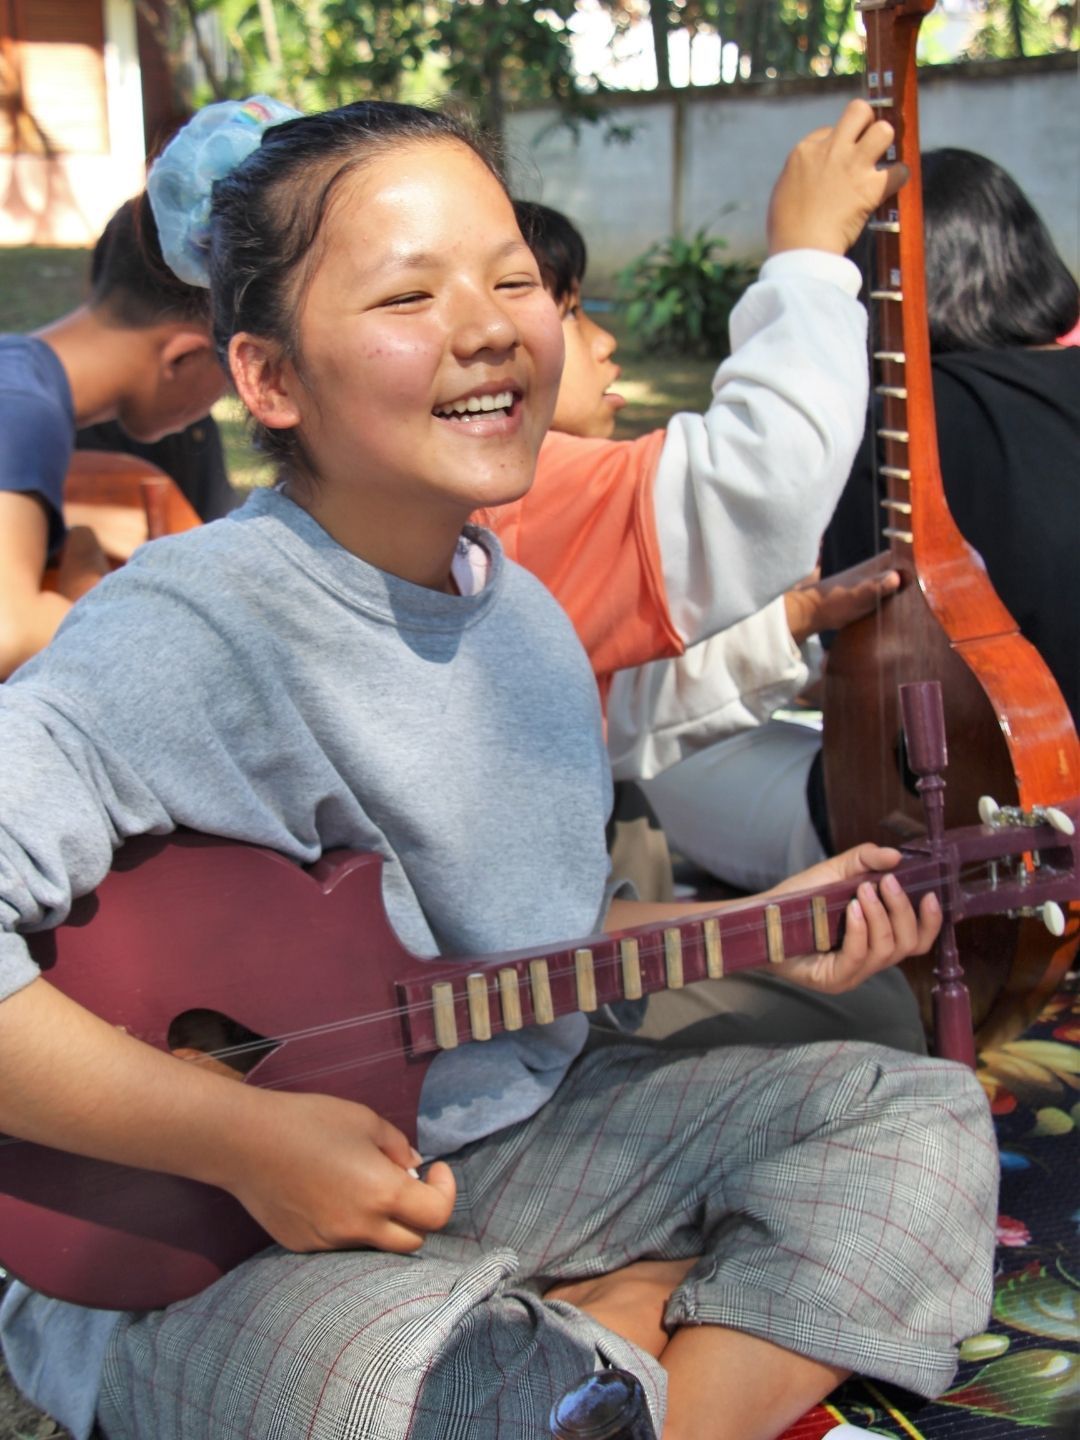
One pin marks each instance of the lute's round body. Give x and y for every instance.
(1005, 739)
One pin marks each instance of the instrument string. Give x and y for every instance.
(882, 339)
(651, 949)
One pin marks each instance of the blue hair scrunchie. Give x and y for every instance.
(213, 142)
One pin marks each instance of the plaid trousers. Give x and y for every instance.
(841, 1196)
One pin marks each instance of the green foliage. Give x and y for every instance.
(679, 293)
(38, 283)
(316, 54)
(321, 53)
(772, 37)
(1022, 27)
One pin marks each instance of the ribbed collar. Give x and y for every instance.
(284, 524)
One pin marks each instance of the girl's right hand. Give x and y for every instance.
(316, 1172)
(319, 1173)
(831, 184)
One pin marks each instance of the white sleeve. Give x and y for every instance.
(743, 492)
(659, 714)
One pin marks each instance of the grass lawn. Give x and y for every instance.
(39, 283)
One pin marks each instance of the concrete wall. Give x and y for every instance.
(709, 157)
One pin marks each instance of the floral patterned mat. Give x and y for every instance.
(1021, 1377)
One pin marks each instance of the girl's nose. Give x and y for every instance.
(484, 325)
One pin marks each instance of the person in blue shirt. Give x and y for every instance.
(138, 352)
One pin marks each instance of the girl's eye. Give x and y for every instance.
(397, 301)
(518, 282)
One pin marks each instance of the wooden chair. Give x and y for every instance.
(124, 500)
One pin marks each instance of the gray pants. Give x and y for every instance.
(758, 1008)
(842, 1199)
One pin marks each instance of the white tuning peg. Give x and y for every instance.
(1053, 917)
(989, 810)
(1058, 819)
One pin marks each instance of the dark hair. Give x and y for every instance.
(993, 276)
(266, 216)
(130, 283)
(557, 245)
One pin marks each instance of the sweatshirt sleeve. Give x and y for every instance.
(111, 732)
(655, 543)
(67, 803)
(743, 492)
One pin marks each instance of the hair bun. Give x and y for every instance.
(213, 142)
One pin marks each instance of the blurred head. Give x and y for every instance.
(585, 405)
(993, 276)
(178, 377)
(130, 282)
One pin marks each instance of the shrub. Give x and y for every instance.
(678, 295)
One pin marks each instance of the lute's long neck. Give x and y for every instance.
(473, 1003)
(917, 523)
(977, 870)
(902, 380)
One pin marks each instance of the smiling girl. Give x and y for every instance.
(345, 662)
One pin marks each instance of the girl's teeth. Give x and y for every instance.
(478, 404)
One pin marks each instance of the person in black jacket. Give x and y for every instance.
(1007, 401)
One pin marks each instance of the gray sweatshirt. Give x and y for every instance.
(255, 680)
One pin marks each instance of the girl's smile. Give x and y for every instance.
(488, 410)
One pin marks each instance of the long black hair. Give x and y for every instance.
(994, 279)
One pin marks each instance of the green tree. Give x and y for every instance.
(1014, 28)
(312, 53)
(771, 37)
(502, 52)
(319, 53)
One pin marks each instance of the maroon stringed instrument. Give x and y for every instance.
(1010, 730)
(305, 964)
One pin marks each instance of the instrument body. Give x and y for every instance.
(1010, 731)
(308, 960)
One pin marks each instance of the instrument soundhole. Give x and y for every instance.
(209, 1037)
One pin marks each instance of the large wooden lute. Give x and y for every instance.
(191, 933)
(1010, 732)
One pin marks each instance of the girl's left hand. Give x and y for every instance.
(881, 926)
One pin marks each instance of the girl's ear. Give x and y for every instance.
(265, 381)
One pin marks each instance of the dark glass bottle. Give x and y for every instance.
(609, 1405)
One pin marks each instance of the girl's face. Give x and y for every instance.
(430, 352)
(586, 406)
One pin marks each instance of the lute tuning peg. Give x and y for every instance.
(993, 814)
